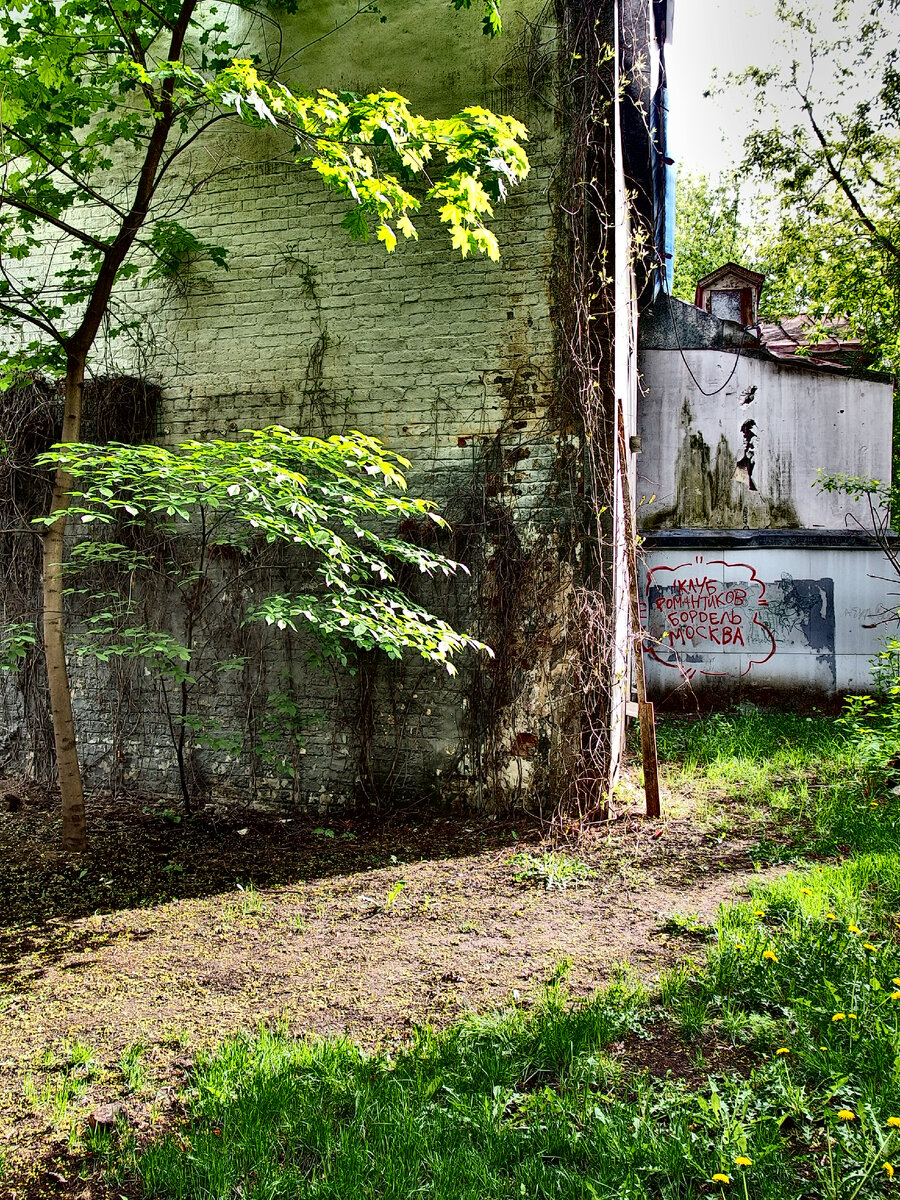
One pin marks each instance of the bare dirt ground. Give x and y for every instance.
(165, 937)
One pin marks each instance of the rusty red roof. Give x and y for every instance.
(786, 337)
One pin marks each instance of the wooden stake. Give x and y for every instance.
(646, 716)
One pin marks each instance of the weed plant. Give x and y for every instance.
(552, 869)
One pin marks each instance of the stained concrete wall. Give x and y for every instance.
(754, 580)
(733, 616)
(732, 441)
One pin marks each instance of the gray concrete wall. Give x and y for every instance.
(739, 619)
(736, 442)
(754, 580)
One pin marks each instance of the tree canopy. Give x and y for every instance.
(832, 162)
(815, 203)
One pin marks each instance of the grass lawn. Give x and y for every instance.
(765, 1064)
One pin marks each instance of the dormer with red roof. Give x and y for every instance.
(732, 293)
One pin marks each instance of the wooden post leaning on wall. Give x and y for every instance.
(646, 716)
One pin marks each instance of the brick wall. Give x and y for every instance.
(450, 363)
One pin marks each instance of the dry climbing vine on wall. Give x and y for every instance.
(586, 397)
(118, 408)
(537, 716)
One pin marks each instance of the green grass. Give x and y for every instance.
(551, 869)
(798, 986)
(797, 778)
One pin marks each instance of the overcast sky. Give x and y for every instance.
(706, 133)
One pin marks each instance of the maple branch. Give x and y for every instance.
(32, 320)
(839, 179)
(51, 220)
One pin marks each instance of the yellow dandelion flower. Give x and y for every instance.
(894, 1121)
(896, 980)
(839, 1017)
(782, 1050)
(770, 955)
(739, 945)
(854, 928)
(720, 1178)
(895, 995)
(846, 1114)
(806, 891)
(851, 1016)
(743, 1161)
(823, 1047)
(830, 917)
(759, 913)
(888, 1170)
(869, 946)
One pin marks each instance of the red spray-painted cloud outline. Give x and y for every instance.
(753, 578)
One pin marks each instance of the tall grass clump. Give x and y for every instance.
(811, 780)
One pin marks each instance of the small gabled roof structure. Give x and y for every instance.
(732, 293)
(724, 275)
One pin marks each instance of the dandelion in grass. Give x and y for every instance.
(830, 916)
(770, 955)
(824, 1048)
(760, 912)
(851, 1016)
(869, 946)
(896, 981)
(806, 891)
(854, 928)
(894, 1122)
(888, 1170)
(720, 1178)
(846, 1114)
(743, 1161)
(839, 1017)
(782, 1050)
(895, 995)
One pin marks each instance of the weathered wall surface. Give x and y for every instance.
(753, 579)
(734, 618)
(452, 363)
(747, 455)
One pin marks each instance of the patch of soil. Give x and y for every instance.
(168, 936)
(665, 1053)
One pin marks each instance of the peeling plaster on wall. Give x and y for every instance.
(733, 443)
(807, 605)
(760, 616)
(804, 420)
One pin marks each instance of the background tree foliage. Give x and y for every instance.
(815, 204)
(709, 230)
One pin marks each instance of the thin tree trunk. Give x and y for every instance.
(70, 785)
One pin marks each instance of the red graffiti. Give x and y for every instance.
(699, 612)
